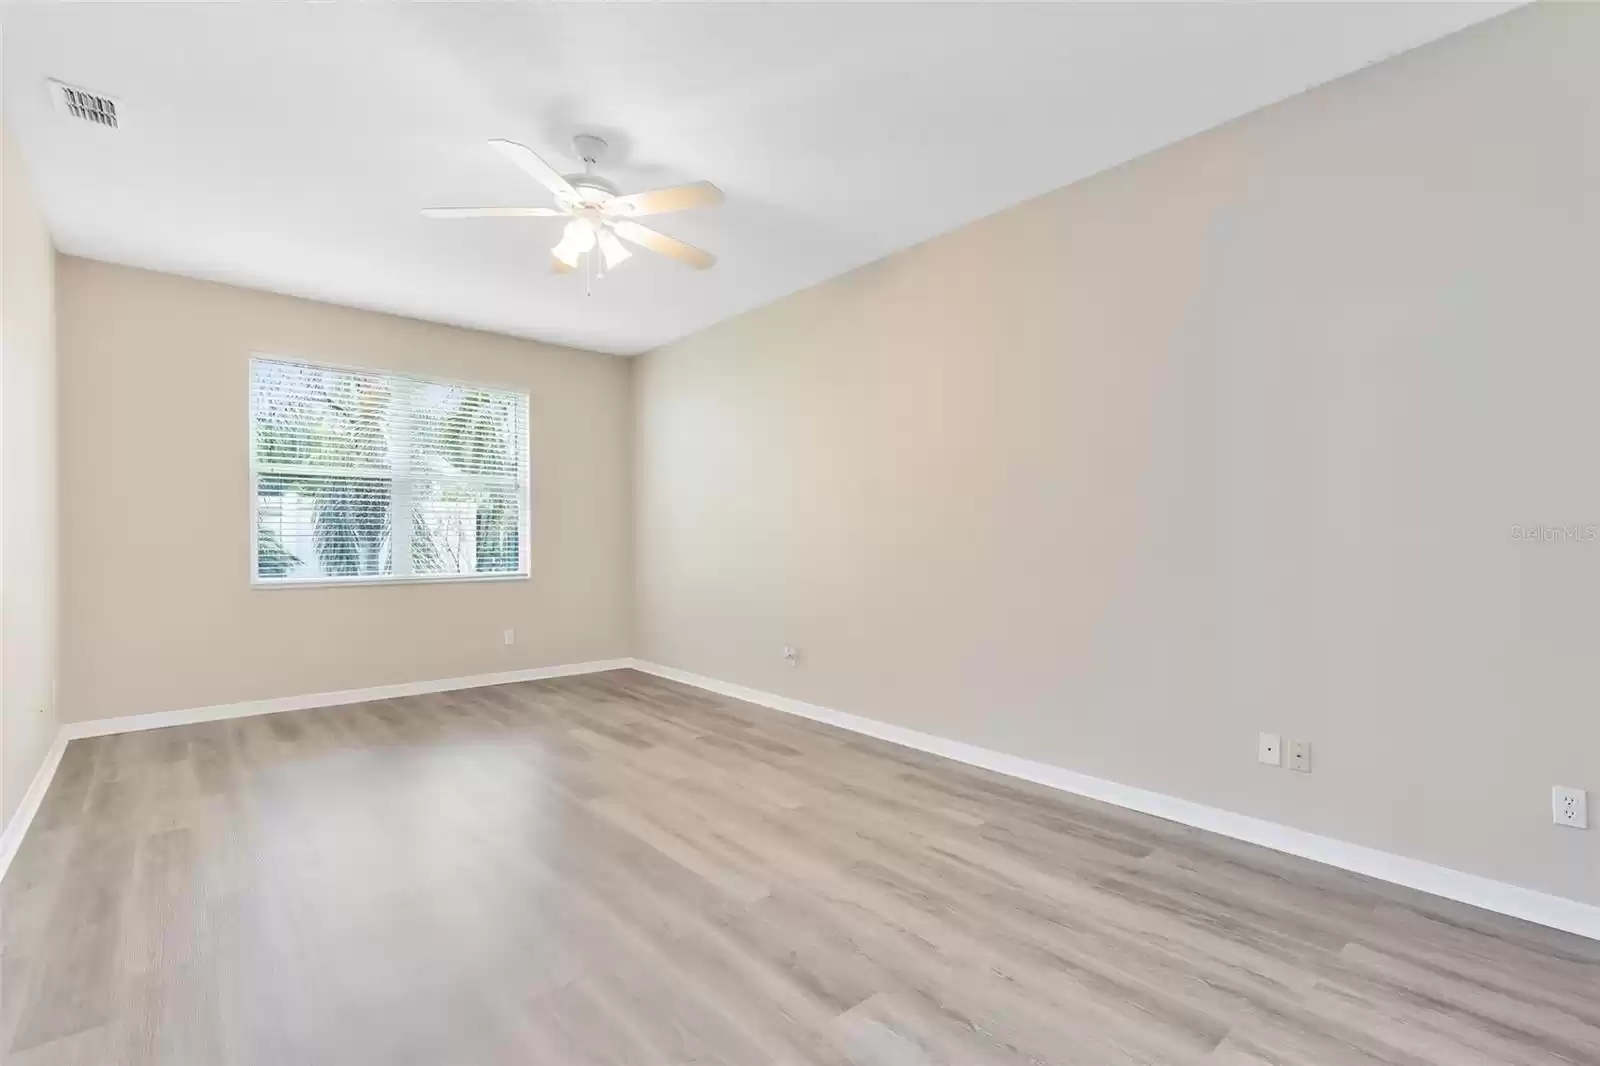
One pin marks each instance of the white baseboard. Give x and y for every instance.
(17, 827)
(1525, 903)
(98, 727)
(22, 817)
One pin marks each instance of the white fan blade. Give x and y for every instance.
(490, 212)
(661, 201)
(645, 237)
(537, 168)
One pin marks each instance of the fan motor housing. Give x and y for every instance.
(592, 189)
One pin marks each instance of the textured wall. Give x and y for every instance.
(159, 612)
(1232, 438)
(28, 587)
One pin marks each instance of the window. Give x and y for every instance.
(358, 475)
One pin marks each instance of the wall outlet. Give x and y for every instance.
(1570, 807)
(1269, 749)
(1300, 756)
(791, 655)
(510, 636)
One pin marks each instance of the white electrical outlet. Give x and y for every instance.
(1269, 749)
(1570, 807)
(510, 636)
(1300, 756)
(790, 654)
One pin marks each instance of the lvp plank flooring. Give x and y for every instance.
(619, 870)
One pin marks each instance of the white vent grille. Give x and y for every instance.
(81, 103)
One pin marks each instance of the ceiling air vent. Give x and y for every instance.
(81, 103)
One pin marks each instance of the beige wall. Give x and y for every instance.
(1230, 439)
(158, 611)
(28, 594)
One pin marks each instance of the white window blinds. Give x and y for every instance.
(360, 475)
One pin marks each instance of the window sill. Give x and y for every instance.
(341, 582)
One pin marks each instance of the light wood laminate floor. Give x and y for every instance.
(618, 870)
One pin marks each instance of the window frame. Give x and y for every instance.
(524, 569)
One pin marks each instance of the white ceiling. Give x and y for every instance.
(290, 147)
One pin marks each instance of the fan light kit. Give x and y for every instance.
(599, 217)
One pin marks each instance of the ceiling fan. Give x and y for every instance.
(600, 216)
